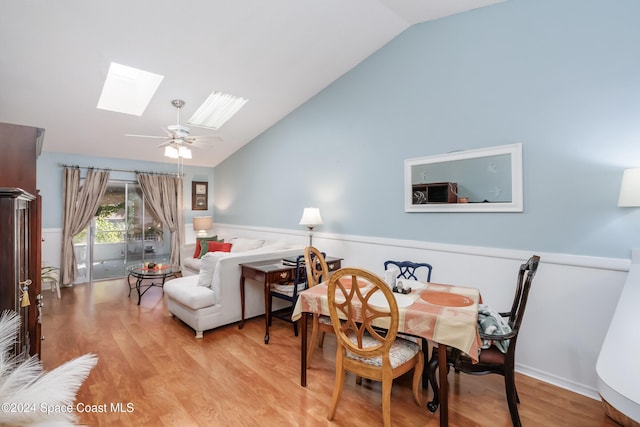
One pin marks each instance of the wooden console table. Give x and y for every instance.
(272, 271)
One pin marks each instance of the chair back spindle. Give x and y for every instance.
(408, 269)
(316, 266)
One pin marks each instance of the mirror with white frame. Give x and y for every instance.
(481, 180)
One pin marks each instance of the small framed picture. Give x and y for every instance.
(199, 195)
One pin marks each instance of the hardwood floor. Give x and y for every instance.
(152, 362)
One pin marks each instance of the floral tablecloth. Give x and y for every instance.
(440, 313)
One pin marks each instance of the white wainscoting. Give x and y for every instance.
(51, 246)
(569, 310)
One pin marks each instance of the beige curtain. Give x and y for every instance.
(163, 194)
(80, 205)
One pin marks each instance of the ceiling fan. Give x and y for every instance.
(178, 139)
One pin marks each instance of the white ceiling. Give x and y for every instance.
(54, 57)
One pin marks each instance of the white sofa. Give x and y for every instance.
(212, 297)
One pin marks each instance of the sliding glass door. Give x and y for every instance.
(122, 233)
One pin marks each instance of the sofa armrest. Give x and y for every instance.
(190, 266)
(186, 251)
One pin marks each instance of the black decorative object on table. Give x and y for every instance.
(401, 290)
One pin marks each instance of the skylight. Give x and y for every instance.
(128, 90)
(216, 110)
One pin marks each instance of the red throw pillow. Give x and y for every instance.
(219, 247)
(214, 247)
(198, 252)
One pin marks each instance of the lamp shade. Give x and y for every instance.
(630, 188)
(202, 223)
(311, 216)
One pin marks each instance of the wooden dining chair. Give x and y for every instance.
(317, 272)
(288, 291)
(491, 359)
(407, 269)
(362, 348)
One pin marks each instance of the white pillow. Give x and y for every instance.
(208, 267)
(276, 246)
(242, 244)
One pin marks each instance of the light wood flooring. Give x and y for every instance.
(152, 362)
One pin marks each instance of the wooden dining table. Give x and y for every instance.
(443, 314)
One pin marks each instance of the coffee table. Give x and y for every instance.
(140, 272)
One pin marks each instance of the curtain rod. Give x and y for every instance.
(62, 165)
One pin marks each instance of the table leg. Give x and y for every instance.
(425, 371)
(129, 283)
(303, 349)
(138, 285)
(241, 301)
(444, 385)
(267, 310)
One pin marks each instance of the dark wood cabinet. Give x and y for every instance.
(21, 232)
(21, 146)
(436, 192)
(15, 275)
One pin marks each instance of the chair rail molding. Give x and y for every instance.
(570, 308)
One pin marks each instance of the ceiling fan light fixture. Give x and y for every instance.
(176, 151)
(178, 139)
(184, 152)
(171, 152)
(216, 110)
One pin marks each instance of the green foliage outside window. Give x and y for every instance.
(107, 230)
(111, 227)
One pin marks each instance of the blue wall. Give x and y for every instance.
(562, 77)
(49, 180)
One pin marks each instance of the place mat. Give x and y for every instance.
(446, 299)
(379, 300)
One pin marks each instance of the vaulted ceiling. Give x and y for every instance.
(278, 53)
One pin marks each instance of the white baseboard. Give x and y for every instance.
(570, 307)
(558, 381)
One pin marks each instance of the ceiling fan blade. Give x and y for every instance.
(210, 139)
(146, 136)
(178, 135)
(202, 144)
(212, 136)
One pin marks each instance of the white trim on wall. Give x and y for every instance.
(615, 264)
(570, 307)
